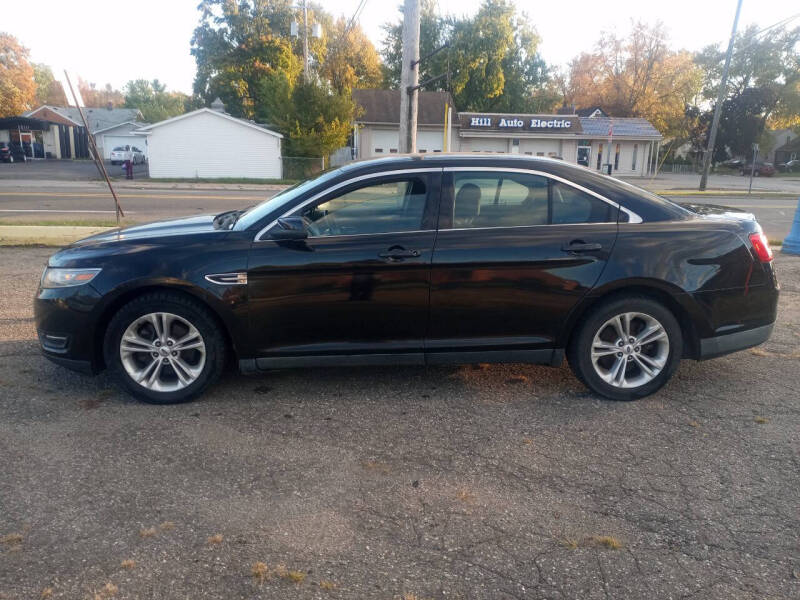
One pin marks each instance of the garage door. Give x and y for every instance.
(484, 145)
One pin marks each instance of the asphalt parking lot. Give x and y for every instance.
(459, 482)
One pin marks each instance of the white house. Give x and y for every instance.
(124, 134)
(209, 143)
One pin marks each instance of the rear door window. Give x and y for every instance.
(498, 199)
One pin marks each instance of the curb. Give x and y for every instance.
(45, 235)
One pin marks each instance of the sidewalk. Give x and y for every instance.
(689, 184)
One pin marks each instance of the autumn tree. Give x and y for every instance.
(153, 100)
(637, 75)
(492, 58)
(48, 88)
(94, 97)
(17, 86)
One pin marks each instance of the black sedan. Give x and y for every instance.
(413, 260)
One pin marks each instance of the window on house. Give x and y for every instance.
(616, 159)
(635, 152)
(600, 157)
(392, 150)
(378, 150)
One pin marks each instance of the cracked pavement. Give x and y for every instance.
(501, 481)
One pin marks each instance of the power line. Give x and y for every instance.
(355, 16)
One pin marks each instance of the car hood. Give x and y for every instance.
(715, 211)
(159, 229)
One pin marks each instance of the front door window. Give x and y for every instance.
(388, 206)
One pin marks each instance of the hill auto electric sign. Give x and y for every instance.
(520, 123)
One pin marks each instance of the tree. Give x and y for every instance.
(17, 86)
(246, 56)
(152, 99)
(48, 89)
(350, 60)
(637, 76)
(763, 88)
(492, 58)
(99, 98)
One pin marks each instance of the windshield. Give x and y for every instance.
(254, 214)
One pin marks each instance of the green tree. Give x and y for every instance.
(492, 58)
(763, 88)
(153, 100)
(17, 86)
(246, 56)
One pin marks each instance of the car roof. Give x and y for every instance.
(644, 203)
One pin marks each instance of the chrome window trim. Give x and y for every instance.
(342, 184)
(632, 216)
(235, 278)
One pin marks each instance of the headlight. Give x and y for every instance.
(59, 278)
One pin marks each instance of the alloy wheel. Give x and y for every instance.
(630, 350)
(162, 352)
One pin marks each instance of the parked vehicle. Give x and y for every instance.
(790, 166)
(764, 169)
(431, 259)
(10, 153)
(122, 153)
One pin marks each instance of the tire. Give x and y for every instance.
(181, 374)
(631, 380)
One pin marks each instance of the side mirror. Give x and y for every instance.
(290, 229)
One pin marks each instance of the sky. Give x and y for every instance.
(151, 38)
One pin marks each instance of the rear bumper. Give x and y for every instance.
(733, 342)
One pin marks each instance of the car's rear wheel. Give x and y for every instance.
(627, 348)
(164, 348)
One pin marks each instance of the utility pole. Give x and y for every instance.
(305, 40)
(723, 86)
(409, 77)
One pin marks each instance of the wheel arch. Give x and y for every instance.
(677, 301)
(124, 296)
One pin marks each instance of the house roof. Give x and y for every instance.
(98, 118)
(210, 111)
(589, 111)
(133, 124)
(789, 147)
(383, 106)
(633, 127)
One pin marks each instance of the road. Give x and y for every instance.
(90, 201)
(21, 202)
(492, 482)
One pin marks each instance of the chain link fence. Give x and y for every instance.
(302, 167)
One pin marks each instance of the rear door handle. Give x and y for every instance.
(580, 246)
(398, 253)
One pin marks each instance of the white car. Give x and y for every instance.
(122, 153)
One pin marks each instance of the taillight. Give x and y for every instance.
(761, 246)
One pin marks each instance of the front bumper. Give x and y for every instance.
(733, 342)
(66, 324)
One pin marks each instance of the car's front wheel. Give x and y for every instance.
(164, 348)
(627, 348)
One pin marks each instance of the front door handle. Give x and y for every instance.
(581, 246)
(398, 253)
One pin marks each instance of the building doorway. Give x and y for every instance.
(584, 153)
